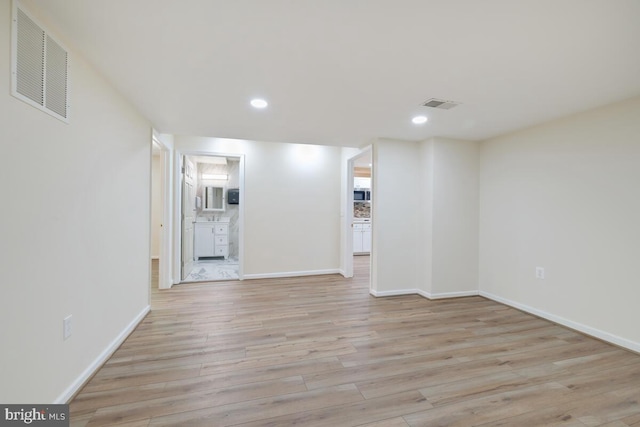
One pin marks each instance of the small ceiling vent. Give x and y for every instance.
(440, 103)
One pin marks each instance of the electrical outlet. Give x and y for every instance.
(540, 273)
(66, 327)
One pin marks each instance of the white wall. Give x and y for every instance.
(564, 196)
(425, 231)
(396, 216)
(455, 217)
(82, 245)
(156, 205)
(292, 212)
(426, 156)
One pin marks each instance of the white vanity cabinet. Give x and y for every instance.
(211, 239)
(221, 237)
(361, 238)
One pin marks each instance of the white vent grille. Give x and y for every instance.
(56, 82)
(440, 103)
(30, 59)
(39, 68)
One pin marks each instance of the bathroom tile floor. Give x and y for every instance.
(214, 269)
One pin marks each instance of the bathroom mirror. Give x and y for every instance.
(213, 199)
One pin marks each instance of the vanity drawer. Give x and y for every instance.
(222, 239)
(222, 251)
(221, 229)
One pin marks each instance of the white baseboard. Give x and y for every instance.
(393, 293)
(101, 359)
(291, 274)
(597, 333)
(424, 294)
(443, 295)
(169, 282)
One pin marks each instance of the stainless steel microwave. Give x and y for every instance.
(361, 195)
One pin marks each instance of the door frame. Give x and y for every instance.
(165, 280)
(177, 208)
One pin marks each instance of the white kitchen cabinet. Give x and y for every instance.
(357, 238)
(360, 182)
(211, 240)
(361, 238)
(366, 238)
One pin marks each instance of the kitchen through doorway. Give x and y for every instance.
(361, 218)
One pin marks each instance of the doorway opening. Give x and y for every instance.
(160, 212)
(359, 214)
(157, 202)
(211, 217)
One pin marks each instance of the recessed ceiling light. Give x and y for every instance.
(418, 120)
(259, 103)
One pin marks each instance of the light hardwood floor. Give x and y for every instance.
(320, 351)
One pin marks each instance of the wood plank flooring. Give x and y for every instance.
(320, 351)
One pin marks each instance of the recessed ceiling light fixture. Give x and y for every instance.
(259, 103)
(418, 120)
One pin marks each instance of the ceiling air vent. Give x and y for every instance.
(440, 103)
(39, 67)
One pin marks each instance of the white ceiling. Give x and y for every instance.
(341, 72)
